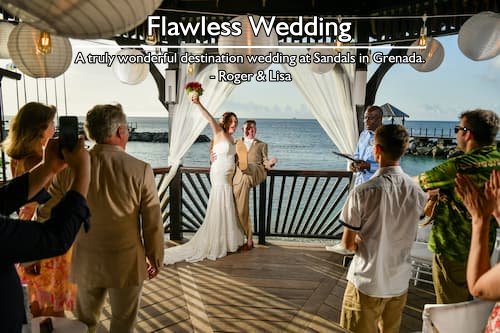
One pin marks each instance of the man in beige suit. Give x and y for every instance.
(251, 171)
(125, 243)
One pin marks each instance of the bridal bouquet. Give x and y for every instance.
(194, 88)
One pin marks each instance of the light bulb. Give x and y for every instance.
(44, 45)
(422, 40)
(190, 69)
(151, 39)
(338, 46)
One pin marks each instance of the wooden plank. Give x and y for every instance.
(306, 315)
(250, 313)
(256, 283)
(247, 326)
(196, 308)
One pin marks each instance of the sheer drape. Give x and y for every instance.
(187, 122)
(329, 98)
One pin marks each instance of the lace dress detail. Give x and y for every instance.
(220, 232)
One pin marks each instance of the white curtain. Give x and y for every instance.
(329, 98)
(186, 122)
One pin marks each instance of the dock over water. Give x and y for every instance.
(281, 287)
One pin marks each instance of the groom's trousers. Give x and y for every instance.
(243, 181)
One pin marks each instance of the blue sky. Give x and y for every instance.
(457, 85)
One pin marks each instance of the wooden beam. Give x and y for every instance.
(376, 79)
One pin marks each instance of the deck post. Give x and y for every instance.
(262, 211)
(176, 206)
(10, 75)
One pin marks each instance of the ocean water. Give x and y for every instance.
(297, 143)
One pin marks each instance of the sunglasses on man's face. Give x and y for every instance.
(460, 128)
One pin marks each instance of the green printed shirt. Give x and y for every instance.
(452, 229)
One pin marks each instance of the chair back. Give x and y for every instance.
(464, 317)
(495, 255)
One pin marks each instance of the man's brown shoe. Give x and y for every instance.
(241, 151)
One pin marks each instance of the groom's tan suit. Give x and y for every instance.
(256, 173)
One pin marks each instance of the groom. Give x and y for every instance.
(253, 164)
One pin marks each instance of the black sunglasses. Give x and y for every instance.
(458, 128)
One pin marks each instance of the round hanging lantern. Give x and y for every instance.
(82, 18)
(5, 30)
(25, 53)
(479, 36)
(433, 54)
(321, 68)
(247, 38)
(130, 73)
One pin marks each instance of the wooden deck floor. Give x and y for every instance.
(284, 287)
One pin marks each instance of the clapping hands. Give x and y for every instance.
(480, 204)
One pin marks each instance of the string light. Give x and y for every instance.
(422, 40)
(152, 39)
(44, 45)
(338, 43)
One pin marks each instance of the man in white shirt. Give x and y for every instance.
(381, 219)
(253, 164)
(365, 166)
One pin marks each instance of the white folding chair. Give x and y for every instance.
(421, 257)
(464, 317)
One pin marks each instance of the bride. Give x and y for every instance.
(220, 232)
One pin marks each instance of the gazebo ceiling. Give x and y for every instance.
(444, 17)
(368, 30)
(329, 7)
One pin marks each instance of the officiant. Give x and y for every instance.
(367, 165)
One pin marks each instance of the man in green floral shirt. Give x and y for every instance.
(451, 231)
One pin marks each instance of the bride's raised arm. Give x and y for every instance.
(204, 112)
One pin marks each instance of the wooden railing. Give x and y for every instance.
(290, 203)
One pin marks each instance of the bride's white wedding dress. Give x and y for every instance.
(220, 232)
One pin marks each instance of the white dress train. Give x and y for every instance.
(220, 232)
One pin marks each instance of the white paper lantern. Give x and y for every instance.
(5, 30)
(433, 55)
(82, 18)
(130, 73)
(321, 68)
(479, 36)
(23, 50)
(247, 38)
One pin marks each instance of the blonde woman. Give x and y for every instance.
(29, 132)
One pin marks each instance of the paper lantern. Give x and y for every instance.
(433, 55)
(5, 30)
(82, 18)
(128, 72)
(479, 36)
(321, 68)
(22, 47)
(247, 38)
